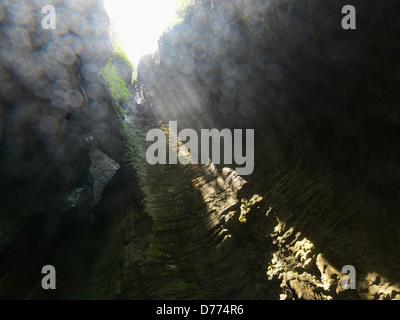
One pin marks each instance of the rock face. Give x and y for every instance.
(103, 169)
(322, 101)
(184, 240)
(323, 195)
(54, 109)
(124, 69)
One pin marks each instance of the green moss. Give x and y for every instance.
(133, 137)
(120, 54)
(119, 92)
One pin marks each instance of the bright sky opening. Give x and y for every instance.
(140, 23)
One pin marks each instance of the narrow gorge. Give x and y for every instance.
(77, 191)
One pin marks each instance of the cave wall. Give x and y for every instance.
(54, 109)
(323, 103)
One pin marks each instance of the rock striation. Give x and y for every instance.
(323, 195)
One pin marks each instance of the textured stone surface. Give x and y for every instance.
(324, 193)
(54, 108)
(323, 103)
(103, 169)
(188, 245)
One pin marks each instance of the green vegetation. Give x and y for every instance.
(184, 7)
(120, 54)
(133, 137)
(118, 74)
(118, 90)
(124, 66)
